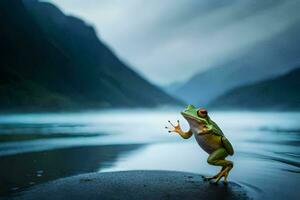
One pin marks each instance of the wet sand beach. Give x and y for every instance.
(21, 171)
(134, 185)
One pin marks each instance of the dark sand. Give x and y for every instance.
(134, 185)
(25, 170)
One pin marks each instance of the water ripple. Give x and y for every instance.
(272, 158)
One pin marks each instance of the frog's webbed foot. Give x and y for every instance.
(223, 173)
(208, 178)
(174, 128)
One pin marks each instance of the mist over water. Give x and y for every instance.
(45, 147)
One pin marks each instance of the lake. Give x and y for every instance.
(36, 148)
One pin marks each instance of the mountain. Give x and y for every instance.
(50, 61)
(270, 58)
(281, 93)
(170, 88)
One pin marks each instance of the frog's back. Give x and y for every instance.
(224, 142)
(218, 130)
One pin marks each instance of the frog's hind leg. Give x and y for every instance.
(208, 178)
(218, 158)
(224, 174)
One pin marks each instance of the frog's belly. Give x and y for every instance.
(209, 142)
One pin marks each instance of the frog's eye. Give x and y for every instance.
(202, 112)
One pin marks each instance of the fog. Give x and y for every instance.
(169, 41)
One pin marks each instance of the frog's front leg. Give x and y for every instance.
(218, 158)
(177, 129)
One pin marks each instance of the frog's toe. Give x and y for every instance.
(216, 182)
(225, 182)
(208, 178)
(224, 174)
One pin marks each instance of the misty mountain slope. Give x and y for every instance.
(27, 59)
(264, 60)
(93, 58)
(18, 94)
(281, 93)
(64, 63)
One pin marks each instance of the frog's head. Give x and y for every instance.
(195, 116)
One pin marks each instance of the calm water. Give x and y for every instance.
(35, 148)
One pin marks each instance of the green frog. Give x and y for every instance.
(209, 137)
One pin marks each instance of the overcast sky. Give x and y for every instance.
(171, 40)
